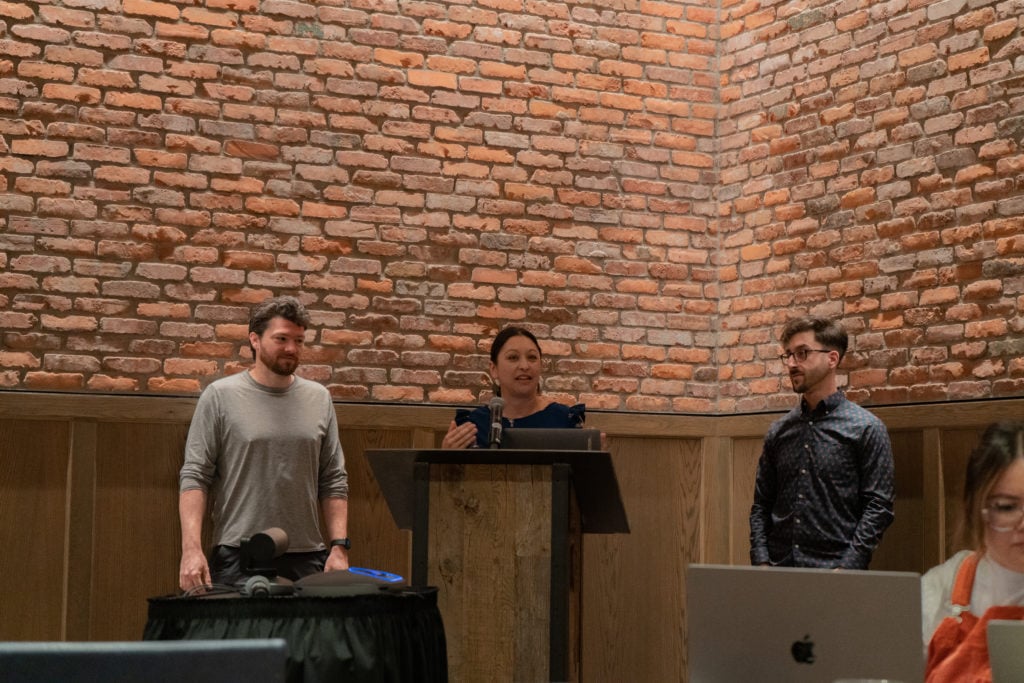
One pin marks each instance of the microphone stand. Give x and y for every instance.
(496, 405)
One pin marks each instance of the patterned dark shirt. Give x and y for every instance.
(824, 490)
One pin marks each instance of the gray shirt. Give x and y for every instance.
(266, 457)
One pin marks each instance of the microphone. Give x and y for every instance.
(258, 551)
(496, 405)
(268, 544)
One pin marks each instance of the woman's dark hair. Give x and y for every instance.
(499, 343)
(827, 332)
(287, 307)
(1000, 445)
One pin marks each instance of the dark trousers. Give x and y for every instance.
(226, 565)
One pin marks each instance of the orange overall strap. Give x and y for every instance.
(958, 652)
(964, 583)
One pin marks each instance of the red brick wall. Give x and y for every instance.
(652, 186)
(870, 170)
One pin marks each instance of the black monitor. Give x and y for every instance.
(160, 661)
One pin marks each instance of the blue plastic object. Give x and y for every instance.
(376, 574)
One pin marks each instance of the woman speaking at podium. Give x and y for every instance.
(515, 371)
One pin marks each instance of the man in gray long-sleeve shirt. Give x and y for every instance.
(263, 444)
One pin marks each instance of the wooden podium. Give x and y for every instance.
(499, 533)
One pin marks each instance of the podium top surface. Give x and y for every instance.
(593, 477)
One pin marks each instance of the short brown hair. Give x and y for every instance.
(287, 307)
(828, 333)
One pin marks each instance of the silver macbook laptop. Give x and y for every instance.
(1006, 650)
(784, 625)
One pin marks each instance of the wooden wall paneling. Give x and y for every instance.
(78, 558)
(654, 425)
(633, 584)
(964, 414)
(743, 426)
(632, 593)
(957, 445)
(933, 503)
(745, 454)
(64, 406)
(716, 500)
(393, 417)
(902, 546)
(138, 537)
(33, 506)
(377, 542)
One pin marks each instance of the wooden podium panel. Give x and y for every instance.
(490, 554)
(499, 533)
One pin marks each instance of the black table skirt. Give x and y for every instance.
(390, 637)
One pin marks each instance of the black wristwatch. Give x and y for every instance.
(343, 542)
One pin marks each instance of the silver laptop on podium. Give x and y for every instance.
(786, 625)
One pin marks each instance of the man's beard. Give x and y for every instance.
(283, 366)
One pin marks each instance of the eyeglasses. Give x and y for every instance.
(1003, 515)
(800, 354)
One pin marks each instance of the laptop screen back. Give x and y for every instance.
(1006, 650)
(551, 439)
(787, 625)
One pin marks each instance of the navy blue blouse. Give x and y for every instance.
(553, 415)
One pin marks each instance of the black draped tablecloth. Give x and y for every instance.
(386, 637)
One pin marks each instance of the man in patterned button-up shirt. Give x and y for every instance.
(824, 490)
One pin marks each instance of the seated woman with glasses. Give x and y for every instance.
(960, 596)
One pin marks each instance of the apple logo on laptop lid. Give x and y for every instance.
(803, 650)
